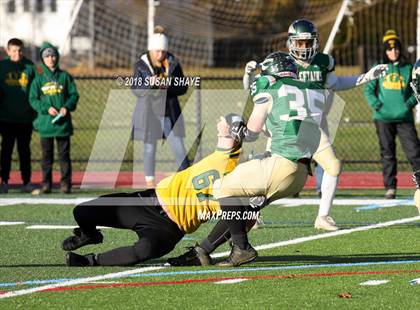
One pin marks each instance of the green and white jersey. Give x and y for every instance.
(316, 71)
(294, 112)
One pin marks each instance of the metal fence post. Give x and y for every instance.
(197, 97)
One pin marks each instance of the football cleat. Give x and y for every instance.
(325, 223)
(76, 260)
(81, 239)
(239, 257)
(390, 193)
(195, 256)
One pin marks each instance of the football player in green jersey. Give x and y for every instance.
(317, 67)
(290, 109)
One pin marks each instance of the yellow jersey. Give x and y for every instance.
(188, 193)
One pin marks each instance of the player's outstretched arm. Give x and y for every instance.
(338, 83)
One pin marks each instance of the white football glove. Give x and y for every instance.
(251, 66)
(249, 77)
(373, 74)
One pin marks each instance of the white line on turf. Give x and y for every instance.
(47, 201)
(327, 235)
(78, 281)
(230, 281)
(286, 202)
(290, 202)
(374, 282)
(59, 227)
(4, 223)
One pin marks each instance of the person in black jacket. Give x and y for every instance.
(158, 113)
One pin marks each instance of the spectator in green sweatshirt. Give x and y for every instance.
(391, 100)
(53, 96)
(16, 115)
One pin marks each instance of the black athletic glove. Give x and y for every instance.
(256, 203)
(416, 178)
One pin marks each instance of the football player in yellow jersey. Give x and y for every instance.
(160, 217)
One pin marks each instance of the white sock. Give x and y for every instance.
(328, 188)
(149, 178)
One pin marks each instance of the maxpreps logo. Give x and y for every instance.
(394, 81)
(52, 88)
(16, 78)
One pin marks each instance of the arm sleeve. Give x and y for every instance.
(338, 83)
(35, 98)
(73, 95)
(370, 94)
(177, 90)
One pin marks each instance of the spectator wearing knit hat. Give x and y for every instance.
(391, 100)
(54, 97)
(158, 113)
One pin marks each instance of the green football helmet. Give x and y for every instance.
(303, 29)
(415, 80)
(279, 64)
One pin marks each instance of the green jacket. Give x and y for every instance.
(53, 89)
(15, 82)
(391, 97)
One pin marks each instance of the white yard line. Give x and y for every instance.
(5, 223)
(327, 235)
(60, 227)
(296, 202)
(287, 202)
(78, 281)
(230, 281)
(47, 201)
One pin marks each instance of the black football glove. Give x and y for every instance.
(416, 178)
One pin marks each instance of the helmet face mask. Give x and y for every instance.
(279, 64)
(303, 41)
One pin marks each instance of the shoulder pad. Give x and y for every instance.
(265, 81)
(262, 83)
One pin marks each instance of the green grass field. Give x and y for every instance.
(306, 275)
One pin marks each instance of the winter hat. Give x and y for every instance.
(391, 40)
(158, 40)
(49, 51)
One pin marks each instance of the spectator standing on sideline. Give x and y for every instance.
(158, 113)
(53, 96)
(391, 100)
(16, 115)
